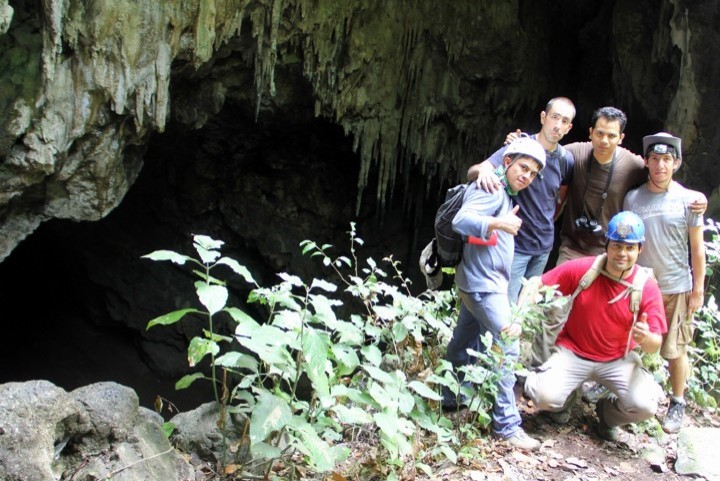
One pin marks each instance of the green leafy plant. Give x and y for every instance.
(356, 354)
(704, 381)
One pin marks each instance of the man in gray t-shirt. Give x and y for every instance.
(673, 231)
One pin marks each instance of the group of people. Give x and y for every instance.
(615, 203)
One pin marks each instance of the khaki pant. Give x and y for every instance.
(680, 326)
(636, 390)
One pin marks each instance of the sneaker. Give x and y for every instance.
(563, 416)
(608, 433)
(521, 440)
(594, 393)
(674, 417)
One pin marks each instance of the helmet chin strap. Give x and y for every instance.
(622, 274)
(501, 172)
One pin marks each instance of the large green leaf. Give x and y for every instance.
(270, 344)
(187, 380)
(291, 279)
(320, 455)
(207, 242)
(324, 312)
(372, 354)
(386, 313)
(387, 422)
(238, 269)
(423, 390)
(237, 360)
(242, 318)
(399, 331)
(347, 359)
(381, 396)
(353, 415)
(213, 336)
(379, 375)
(171, 318)
(324, 285)
(349, 333)
(207, 248)
(449, 453)
(289, 320)
(265, 451)
(270, 415)
(212, 297)
(315, 350)
(164, 255)
(200, 348)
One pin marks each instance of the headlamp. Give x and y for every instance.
(662, 149)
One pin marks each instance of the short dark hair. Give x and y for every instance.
(611, 114)
(550, 103)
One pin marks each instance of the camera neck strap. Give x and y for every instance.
(607, 184)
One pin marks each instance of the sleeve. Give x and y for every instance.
(562, 277)
(693, 220)
(479, 207)
(496, 159)
(567, 176)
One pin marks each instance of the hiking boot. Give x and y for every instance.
(521, 440)
(563, 416)
(594, 393)
(674, 417)
(608, 433)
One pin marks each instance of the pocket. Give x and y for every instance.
(685, 332)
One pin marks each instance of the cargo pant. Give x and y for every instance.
(636, 391)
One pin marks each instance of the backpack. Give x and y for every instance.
(553, 319)
(448, 243)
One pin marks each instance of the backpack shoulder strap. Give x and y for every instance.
(591, 274)
(635, 289)
(641, 276)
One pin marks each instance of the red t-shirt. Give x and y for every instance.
(595, 329)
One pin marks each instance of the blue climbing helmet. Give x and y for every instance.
(626, 227)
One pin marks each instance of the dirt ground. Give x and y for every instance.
(571, 451)
(575, 452)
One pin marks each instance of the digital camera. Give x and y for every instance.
(586, 224)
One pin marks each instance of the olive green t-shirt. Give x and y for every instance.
(629, 173)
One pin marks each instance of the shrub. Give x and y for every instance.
(377, 372)
(704, 382)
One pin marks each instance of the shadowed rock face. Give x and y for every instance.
(126, 126)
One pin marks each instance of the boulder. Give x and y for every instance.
(91, 433)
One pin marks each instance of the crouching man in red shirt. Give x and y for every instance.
(598, 340)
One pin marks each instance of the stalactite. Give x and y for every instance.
(397, 76)
(54, 11)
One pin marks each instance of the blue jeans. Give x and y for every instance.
(524, 266)
(481, 313)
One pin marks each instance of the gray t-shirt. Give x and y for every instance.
(667, 219)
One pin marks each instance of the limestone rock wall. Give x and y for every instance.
(84, 84)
